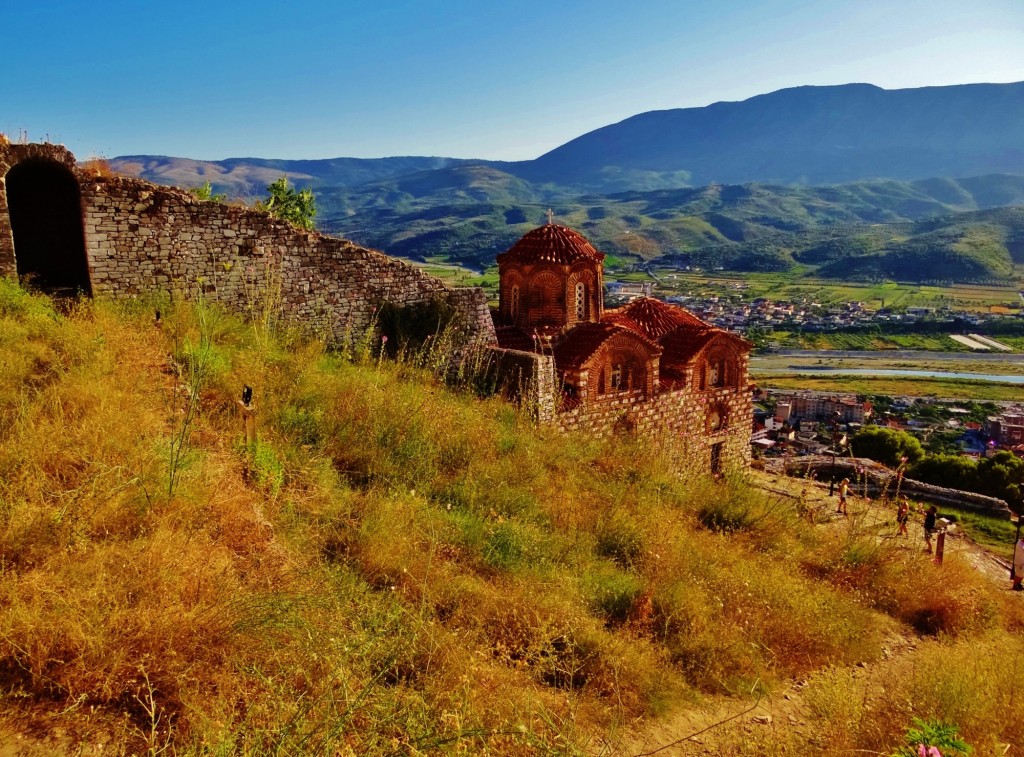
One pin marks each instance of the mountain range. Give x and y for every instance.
(753, 184)
(801, 135)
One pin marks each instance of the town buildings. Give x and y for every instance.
(1006, 430)
(815, 406)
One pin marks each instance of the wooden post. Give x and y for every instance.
(248, 422)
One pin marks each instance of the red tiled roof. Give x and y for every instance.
(671, 378)
(683, 342)
(653, 318)
(551, 244)
(578, 344)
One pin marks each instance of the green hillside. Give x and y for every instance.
(399, 566)
(468, 214)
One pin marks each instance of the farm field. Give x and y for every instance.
(799, 285)
(1017, 342)
(456, 275)
(880, 341)
(912, 386)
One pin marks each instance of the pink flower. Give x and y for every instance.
(934, 752)
(921, 751)
(384, 340)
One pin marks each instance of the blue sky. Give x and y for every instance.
(452, 77)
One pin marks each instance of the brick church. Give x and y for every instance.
(648, 367)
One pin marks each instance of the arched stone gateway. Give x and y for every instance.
(45, 210)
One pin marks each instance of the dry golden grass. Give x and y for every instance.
(97, 167)
(395, 566)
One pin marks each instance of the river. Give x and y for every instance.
(828, 371)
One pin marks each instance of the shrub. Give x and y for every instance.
(886, 445)
(621, 539)
(295, 206)
(612, 592)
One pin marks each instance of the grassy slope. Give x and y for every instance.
(395, 567)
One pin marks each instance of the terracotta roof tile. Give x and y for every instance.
(684, 342)
(653, 318)
(671, 377)
(577, 345)
(551, 244)
(573, 349)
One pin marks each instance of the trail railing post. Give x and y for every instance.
(1017, 564)
(248, 410)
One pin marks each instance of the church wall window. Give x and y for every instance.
(617, 378)
(718, 371)
(581, 301)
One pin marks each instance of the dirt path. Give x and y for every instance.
(720, 722)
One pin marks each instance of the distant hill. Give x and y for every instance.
(979, 246)
(816, 176)
(250, 176)
(803, 135)
(806, 135)
(467, 214)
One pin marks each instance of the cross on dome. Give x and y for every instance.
(551, 217)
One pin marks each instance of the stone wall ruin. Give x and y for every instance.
(136, 237)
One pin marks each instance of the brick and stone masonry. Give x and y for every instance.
(650, 368)
(122, 237)
(140, 237)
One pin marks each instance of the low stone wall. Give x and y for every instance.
(872, 478)
(140, 237)
(526, 378)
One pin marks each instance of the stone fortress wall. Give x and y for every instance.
(142, 237)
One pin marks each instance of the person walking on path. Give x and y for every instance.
(929, 527)
(902, 516)
(844, 488)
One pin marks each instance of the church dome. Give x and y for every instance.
(551, 244)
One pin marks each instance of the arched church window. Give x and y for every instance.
(720, 371)
(718, 418)
(514, 303)
(581, 301)
(715, 373)
(617, 377)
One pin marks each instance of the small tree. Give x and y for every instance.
(1001, 475)
(886, 445)
(206, 193)
(289, 204)
(952, 471)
